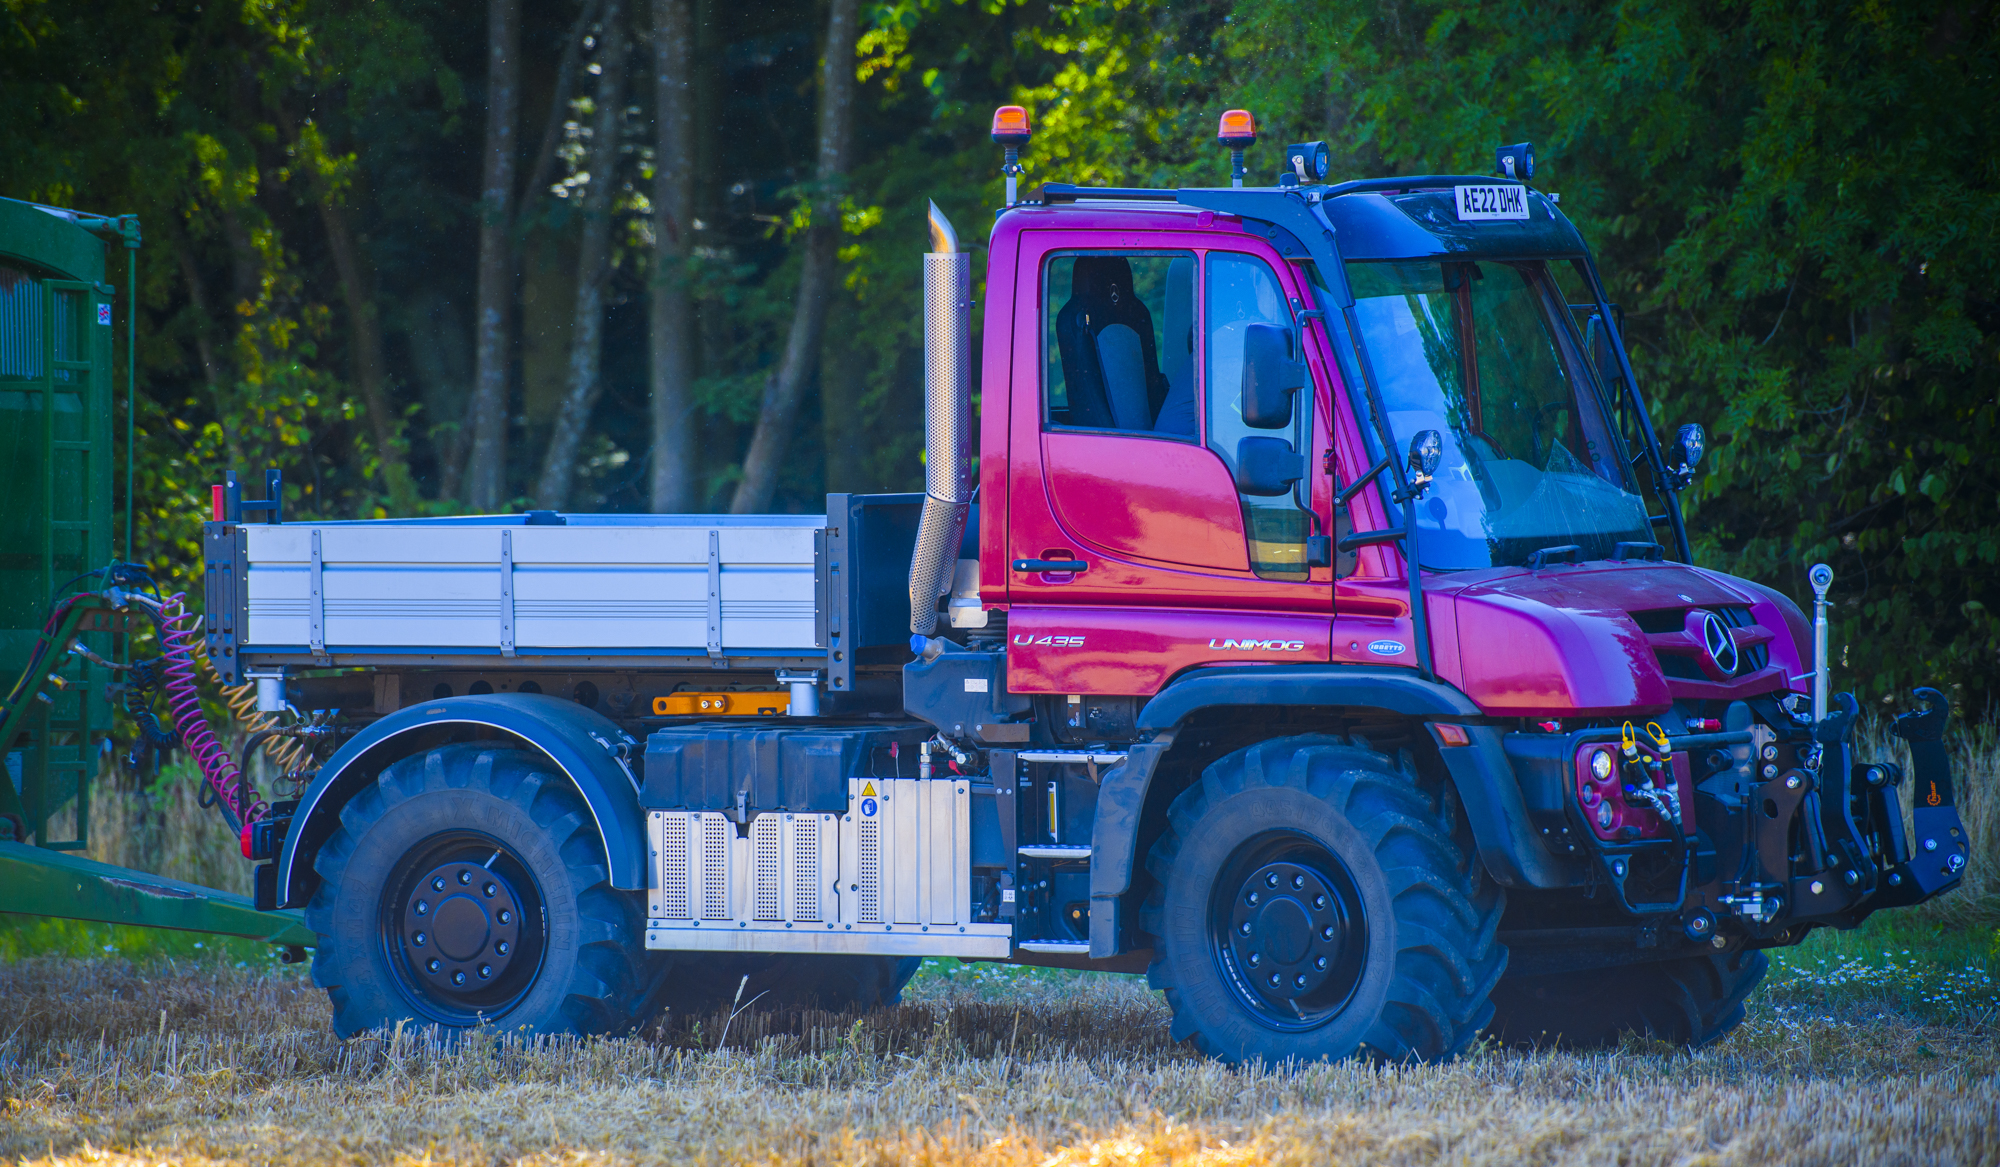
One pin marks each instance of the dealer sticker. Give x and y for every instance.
(1386, 647)
(1491, 202)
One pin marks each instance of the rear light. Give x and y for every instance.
(215, 504)
(1010, 126)
(1237, 130)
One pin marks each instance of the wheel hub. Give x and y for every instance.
(460, 931)
(1288, 932)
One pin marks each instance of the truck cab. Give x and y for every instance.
(1306, 619)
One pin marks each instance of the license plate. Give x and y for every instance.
(1491, 202)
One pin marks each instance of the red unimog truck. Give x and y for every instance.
(1308, 621)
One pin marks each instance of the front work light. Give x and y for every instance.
(1308, 161)
(1516, 162)
(1601, 765)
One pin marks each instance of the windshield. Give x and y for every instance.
(1476, 352)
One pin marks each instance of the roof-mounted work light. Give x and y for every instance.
(1011, 130)
(1238, 131)
(1516, 161)
(1308, 161)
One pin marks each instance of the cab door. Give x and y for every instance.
(1133, 554)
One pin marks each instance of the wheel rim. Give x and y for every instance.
(463, 928)
(1287, 929)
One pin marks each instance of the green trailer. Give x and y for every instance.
(58, 453)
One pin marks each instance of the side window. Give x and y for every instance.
(1242, 291)
(1119, 342)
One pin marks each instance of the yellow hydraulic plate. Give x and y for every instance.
(768, 704)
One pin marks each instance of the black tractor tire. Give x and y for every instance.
(526, 934)
(1358, 875)
(704, 982)
(1692, 1001)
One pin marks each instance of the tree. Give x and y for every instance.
(786, 388)
(485, 476)
(672, 308)
(584, 383)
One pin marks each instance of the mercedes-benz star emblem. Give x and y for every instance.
(1720, 644)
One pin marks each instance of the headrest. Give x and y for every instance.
(1097, 276)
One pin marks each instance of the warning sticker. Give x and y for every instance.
(868, 790)
(868, 808)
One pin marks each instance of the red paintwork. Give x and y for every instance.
(1159, 526)
(1126, 650)
(1148, 499)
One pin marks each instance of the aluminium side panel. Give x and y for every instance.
(610, 587)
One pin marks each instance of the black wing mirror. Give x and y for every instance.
(1689, 443)
(1271, 376)
(1267, 467)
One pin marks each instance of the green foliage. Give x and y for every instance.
(1795, 205)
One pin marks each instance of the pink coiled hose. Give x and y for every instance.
(178, 630)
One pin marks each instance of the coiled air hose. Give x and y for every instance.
(286, 753)
(240, 802)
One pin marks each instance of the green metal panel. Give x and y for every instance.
(55, 487)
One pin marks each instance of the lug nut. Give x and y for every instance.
(1326, 933)
(464, 877)
(1244, 927)
(432, 966)
(1276, 980)
(506, 917)
(500, 948)
(1256, 958)
(437, 884)
(1299, 981)
(1252, 898)
(1319, 903)
(1271, 879)
(1298, 881)
(1320, 964)
(419, 939)
(458, 976)
(490, 890)
(485, 970)
(422, 907)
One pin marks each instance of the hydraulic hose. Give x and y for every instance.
(240, 802)
(285, 752)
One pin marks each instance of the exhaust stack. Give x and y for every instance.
(947, 421)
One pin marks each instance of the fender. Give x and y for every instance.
(1481, 772)
(583, 744)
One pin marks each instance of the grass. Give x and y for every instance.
(1877, 1045)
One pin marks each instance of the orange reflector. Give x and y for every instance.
(1238, 129)
(1010, 126)
(1451, 735)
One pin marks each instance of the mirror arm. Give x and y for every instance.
(1662, 475)
(1342, 495)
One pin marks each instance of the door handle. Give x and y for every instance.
(1069, 565)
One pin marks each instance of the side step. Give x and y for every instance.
(1055, 851)
(1061, 947)
(1100, 757)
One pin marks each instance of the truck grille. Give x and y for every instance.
(1666, 621)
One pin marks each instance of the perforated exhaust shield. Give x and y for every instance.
(947, 421)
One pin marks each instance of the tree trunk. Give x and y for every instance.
(780, 407)
(485, 477)
(584, 383)
(672, 321)
(365, 333)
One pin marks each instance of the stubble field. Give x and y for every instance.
(119, 1046)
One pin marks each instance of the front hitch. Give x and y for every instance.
(1937, 863)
